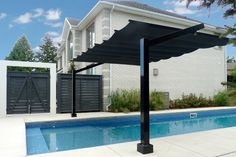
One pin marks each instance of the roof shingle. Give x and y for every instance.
(73, 21)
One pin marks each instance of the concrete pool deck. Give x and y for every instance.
(213, 143)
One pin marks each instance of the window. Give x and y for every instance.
(90, 36)
(70, 47)
(64, 57)
(91, 71)
(60, 62)
(90, 42)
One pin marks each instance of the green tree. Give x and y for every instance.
(21, 52)
(230, 60)
(229, 12)
(234, 75)
(48, 51)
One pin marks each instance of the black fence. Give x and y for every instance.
(89, 93)
(28, 92)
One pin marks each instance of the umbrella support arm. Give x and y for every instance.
(74, 72)
(144, 147)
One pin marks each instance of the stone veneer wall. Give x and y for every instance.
(106, 67)
(77, 45)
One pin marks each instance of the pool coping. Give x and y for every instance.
(90, 115)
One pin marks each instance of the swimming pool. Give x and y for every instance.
(55, 136)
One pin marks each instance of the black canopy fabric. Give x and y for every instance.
(124, 46)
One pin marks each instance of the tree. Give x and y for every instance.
(234, 75)
(230, 60)
(48, 51)
(21, 52)
(230, 12)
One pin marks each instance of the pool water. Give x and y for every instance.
(59, 136)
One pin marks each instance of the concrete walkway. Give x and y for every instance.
(214, 143)
(12, 137)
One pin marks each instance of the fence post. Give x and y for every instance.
(73, 114)
(3, 87)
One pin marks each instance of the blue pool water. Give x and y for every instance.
(74, 134)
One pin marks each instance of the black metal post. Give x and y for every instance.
(73, 114)
(144, 147)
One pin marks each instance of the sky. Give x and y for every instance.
(36, 18)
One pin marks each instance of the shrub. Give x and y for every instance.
(231, 96)
(129, 101)
(234, 75)
(125, 101)
(221, 99)
(156, 103)
(191, 101)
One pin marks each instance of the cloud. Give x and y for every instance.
(36, 49)
(29, 16)
(183, 11)
(180, 7)
(54, 24)
(47, 17)
(53, 14)
(3, 15)
(55, 36)
(50, 15)
(38, 12)
(181, 3)
(23, 19)
(52, 34)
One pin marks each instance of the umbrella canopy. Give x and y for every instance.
(123, 47)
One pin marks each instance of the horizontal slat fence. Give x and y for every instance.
(89, 93)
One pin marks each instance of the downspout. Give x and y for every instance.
(110, 66)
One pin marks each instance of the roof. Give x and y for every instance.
(144, 10)
(68, 23)
(124, 46)
(73, 21)
(138, 5)
(231, 66)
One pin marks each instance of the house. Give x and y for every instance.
(200, 72)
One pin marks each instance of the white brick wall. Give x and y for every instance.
(200, 72)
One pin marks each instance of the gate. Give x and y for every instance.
(28, 92)
(89, 93)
